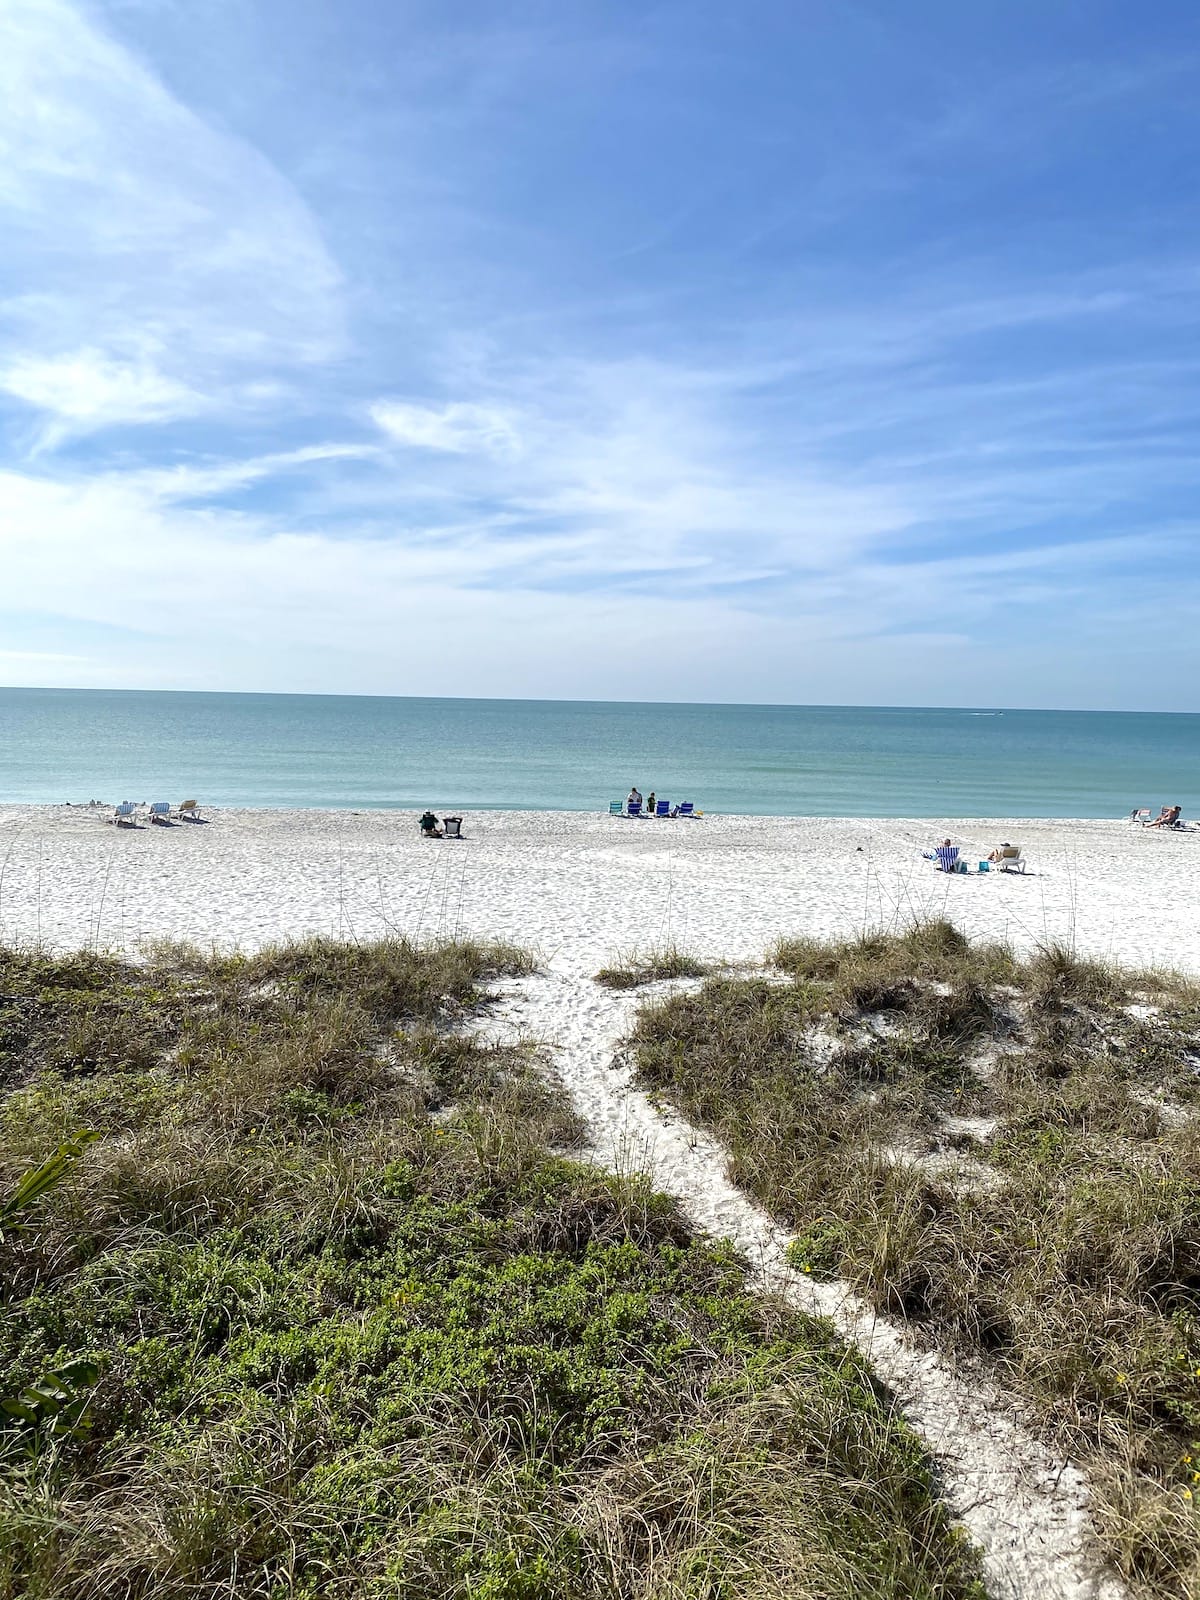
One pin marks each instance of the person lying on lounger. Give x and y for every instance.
(1166, 818)
(429, 827)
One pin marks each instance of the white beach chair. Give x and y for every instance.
(1011, 859)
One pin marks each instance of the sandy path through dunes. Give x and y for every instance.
(1024, 1508)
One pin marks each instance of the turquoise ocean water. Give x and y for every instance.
(361, 752)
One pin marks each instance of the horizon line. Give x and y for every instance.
(563, 700)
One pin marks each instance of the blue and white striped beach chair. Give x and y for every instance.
(615, 808)
(947, 857)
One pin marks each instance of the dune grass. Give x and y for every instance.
(359, 1333)
(1005, 1153)
(639, 967)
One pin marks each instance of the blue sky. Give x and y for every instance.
(787, 351)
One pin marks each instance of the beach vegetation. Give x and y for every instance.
(636, 968)
(333, 1312)
(1002, 1153)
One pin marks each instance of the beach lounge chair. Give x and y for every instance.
(1168, 817)
(634, 809)
(686, 809)
(1141, 814)
(451, 827)
(616, 808)
(663, 808)
(1010, 859)
(160, 811)
(123, 815)
(189, 811)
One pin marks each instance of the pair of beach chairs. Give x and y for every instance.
(1146, 817)
(947, 857)
(662, 808)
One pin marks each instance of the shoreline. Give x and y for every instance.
(579, 888)
(498, 808)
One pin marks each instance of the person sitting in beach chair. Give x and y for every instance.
(1168, 817)
(429, 827)
(635, 799)
(946, 856)
(1007, 857)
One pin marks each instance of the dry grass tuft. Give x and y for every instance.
(651, 966)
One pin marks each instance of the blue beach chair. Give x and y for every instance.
(123, 815)
(635, 809)
(687, 808)
(615, 808)
(160, 811)
(663, 808)
(946, 857)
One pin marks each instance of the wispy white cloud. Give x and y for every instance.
(460, 428)
(55, 658)
(169, 258)
(199, 480)
(87, 388)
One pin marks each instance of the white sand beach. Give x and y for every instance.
(580, 888)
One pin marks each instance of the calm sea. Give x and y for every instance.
(357, 751)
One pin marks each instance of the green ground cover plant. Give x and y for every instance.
(357, 1326)
(1004, 1152)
